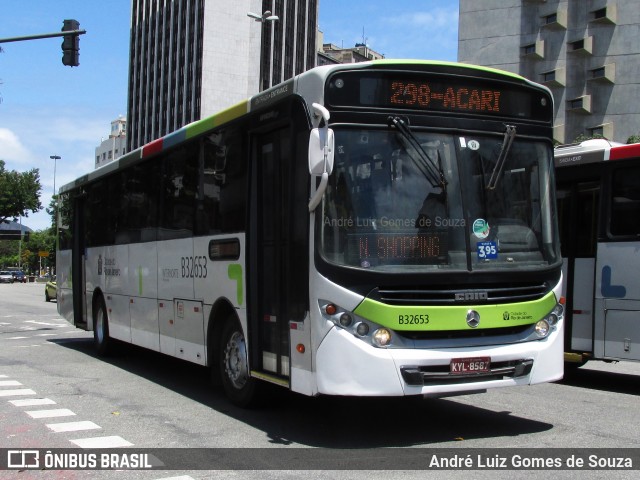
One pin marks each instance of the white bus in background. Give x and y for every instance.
(377, 229)
(598, 190)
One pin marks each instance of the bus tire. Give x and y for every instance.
(101, 338)
(237, 383)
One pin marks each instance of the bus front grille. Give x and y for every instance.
(429, 296)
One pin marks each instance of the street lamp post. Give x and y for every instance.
(264, 18)
(55, 159)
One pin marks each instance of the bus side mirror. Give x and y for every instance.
(321, 148)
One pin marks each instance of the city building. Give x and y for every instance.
(192, 58)
(360, 53)
(115, 145)
(586, 51)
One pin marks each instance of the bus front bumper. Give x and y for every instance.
(348, 366)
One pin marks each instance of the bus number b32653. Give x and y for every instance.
(418, 319)
(194, 267)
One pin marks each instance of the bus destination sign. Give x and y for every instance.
(421, 94)
(375, 248)
(434, 93)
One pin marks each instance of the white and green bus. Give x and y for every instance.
(377, 229)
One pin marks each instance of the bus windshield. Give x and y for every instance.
(432, 201)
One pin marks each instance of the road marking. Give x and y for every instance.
(72, 426)
(48, 324)
(181, 477)
(30, 402)
(15, 393)
(58, 412)
(102, 442)
(9, 383)
(46, 335)
(16, 338)
(94, 442)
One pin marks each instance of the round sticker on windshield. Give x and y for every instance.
(481, 228)
(473, 144)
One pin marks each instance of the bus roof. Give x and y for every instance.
(313, 89)
(594, 151)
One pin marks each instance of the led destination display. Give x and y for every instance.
(399, 90)
(374, 248)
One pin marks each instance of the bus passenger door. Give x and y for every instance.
(272, 258)
(578, 205)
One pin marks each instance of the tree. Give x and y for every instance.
(19, 193)
(582, 137)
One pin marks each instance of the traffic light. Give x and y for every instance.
(71, 44)
(25, 237)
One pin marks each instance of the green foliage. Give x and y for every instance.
(582, 137)
(19, 193)
(40, 241)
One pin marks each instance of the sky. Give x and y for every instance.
(49, 109)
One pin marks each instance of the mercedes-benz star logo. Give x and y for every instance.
(473, 318)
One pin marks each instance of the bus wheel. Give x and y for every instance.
(101, 338)
(234, 365)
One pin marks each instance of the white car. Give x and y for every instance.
(6, 277)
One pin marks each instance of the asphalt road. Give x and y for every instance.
(56, 393)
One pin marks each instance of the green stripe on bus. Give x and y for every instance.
(231, 113)
(438, 318)
(234, 271)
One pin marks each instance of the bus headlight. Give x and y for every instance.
(542, 328)
(345, 320)
(362, 328)
(381, 337)
(550, 322)
(558, 310)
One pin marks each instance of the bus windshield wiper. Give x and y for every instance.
(509, 135)
(427, 166)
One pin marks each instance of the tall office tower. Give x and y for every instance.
(586, 51)
(192, 58)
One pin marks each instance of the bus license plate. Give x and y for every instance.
(462, 366)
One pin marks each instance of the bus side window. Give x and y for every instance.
(65, 221)
(625, 202)
(98, 213)
(224, 183)
(179, 185)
